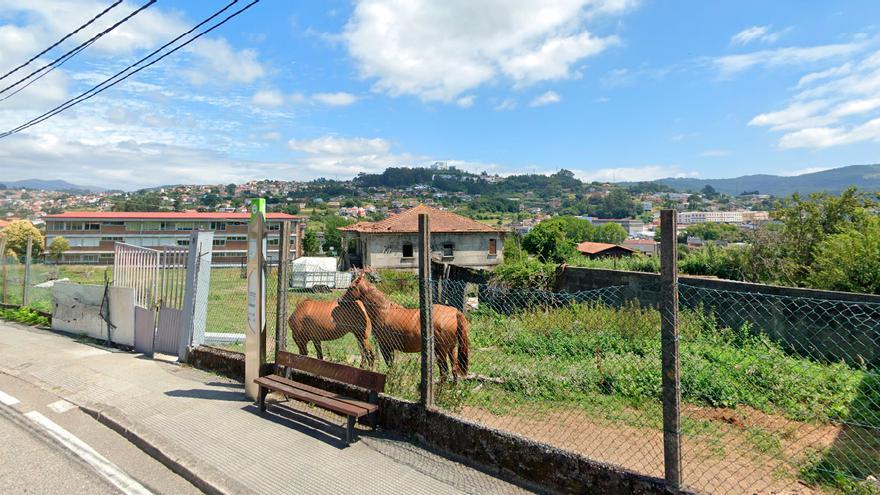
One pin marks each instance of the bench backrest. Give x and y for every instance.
(340, 372)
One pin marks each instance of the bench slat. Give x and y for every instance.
(325, 393)
(335, 371)
(318, 400)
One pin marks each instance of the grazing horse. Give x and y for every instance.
(318, 321)
(397, 328)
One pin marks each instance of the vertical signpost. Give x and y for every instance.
(255, 338)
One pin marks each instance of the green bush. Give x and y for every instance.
(24, 315)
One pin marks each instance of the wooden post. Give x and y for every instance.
(4, 272)
(26, 280)
(255, 338)
(426, 386)
(669, 349)
(283, 283)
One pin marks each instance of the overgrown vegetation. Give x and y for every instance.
(24, 315)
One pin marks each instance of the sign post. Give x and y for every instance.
(255, 338)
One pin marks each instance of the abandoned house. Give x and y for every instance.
(393, 242)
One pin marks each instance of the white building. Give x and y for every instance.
(692, 217)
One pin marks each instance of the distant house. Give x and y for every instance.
(631, 226)
(393, 242)
(602, 250)
(644, 246)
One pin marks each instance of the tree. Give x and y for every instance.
(617, 204)
(548, 242)
(17, 234)
(611, 233)
(849, 261)
(57, 247)
(310, 243)
(230, 189)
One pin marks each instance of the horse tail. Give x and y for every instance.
(463, 343)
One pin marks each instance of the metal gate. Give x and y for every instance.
(158, 278)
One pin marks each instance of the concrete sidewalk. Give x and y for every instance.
(203, 424)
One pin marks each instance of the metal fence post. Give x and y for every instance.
(669, 353)
(26, 280)
(283, 282)
(3, 274)
(426, 385)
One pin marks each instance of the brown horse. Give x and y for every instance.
(397, 328)
(318, 321)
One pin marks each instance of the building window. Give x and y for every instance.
(183, 242)
(448, 250)
(274, 242)
(407, 250)
(493, 247)
(219, 242)
(275, 226)
(112, 238)
(218, 225)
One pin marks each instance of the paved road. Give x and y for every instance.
(50, 446)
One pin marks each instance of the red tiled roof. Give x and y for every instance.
(597, 247)
(3, 224)
(408, 221)
(161, 215)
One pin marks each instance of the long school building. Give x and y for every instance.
(92, 235)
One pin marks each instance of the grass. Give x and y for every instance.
(24, 315)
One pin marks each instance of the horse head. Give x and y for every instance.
(354, 291)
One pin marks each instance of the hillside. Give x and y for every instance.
(50, 185)
(865, 177)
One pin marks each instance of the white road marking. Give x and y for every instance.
(7, 399)
(61, 406)
(99, 463)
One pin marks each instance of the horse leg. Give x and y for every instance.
(303, 347)
(367, 355)
(387, 355)
(440, 357)
(318, 350)
(455, 369)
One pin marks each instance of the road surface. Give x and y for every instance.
(49, 446)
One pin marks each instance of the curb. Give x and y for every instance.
(188, 469)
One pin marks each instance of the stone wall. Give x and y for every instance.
(77, 309)
(532, 464)
(815, 323)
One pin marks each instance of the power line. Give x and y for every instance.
(93, 19)
(110, 82)
(60, 60)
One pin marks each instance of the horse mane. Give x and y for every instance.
(374, 296)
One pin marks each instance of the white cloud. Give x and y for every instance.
(340, 99)
(268, 98)
(836, 106)
(338, 156)
(729, 65)
(626, 174)
(764, 34)
(439, 50)
(715, 153)
(465, 101)
(545, 99)
(218, 59)
(506, 104)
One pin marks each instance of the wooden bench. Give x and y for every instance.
(346, 406)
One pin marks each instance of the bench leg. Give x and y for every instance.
(263, 393)
(373, 420)
(349, 430)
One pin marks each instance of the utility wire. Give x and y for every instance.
(78, 49)
(116, 79)
(93, 19)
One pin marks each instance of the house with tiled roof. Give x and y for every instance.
(393, 242)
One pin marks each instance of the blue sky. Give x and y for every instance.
(610, 89)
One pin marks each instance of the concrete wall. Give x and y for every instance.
(77, 308)
(471, 249)
(809, 322)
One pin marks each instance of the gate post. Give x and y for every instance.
(26, 280)
(426, 386)
(669, 349)
(255, 337)
(283, 283)
(194, 313)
